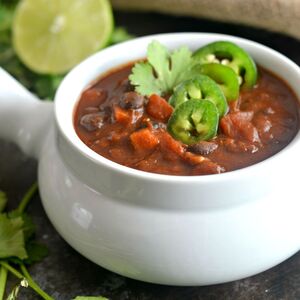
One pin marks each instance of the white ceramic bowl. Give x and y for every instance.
(176, 230)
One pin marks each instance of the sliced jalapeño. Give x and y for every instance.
(200, 87)
(224, 76)
(193, 121)
(231, 55)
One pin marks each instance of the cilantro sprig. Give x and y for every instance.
(18, 248)
(162, 71)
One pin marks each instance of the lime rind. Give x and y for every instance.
(53, 36)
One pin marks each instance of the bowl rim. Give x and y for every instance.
(78, 145)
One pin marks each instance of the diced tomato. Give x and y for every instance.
(158, 108)
(144, 139)
(238, 125)
(170, 148)
(122, 115)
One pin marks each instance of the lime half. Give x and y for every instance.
(52, 36)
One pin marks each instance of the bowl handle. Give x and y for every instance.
(23, 118)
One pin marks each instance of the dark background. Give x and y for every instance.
(65, 274)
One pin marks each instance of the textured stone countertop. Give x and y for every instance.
(65, 274)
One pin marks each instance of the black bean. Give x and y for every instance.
(132, 100)
(92, 121)
(203, 147)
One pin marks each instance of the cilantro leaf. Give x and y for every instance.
(90, 298)
(159, 58)
(28, 227)
(12, 242)
(36, 252)
(3, 201)
(163, 70)
(142, 77)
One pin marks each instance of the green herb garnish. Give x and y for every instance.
(162, 71)
(18, 247)
(12, 237)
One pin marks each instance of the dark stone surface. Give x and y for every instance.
(65, 274)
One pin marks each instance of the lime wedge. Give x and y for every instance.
(52, 36)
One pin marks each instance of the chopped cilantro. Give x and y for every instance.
(162, 71)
